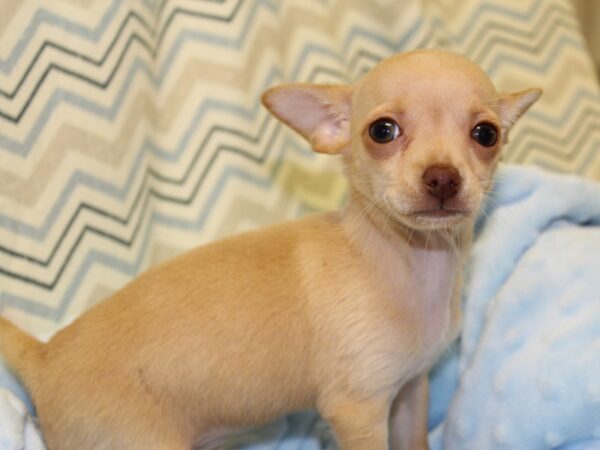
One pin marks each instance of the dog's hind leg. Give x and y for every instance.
(109, 419)
(137, 439)
(359, 425)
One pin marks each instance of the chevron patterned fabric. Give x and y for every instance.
(132, 130)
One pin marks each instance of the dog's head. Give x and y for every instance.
(420, 134)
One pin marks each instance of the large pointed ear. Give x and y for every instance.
(513, 106)
(320, 113)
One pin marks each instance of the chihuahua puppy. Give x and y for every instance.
(343, 312)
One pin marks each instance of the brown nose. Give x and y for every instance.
(441, 181)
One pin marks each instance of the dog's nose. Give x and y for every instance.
(441, 181)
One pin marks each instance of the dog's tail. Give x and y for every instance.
(23, 353)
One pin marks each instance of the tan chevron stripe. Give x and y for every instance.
(72, 63)
(83, 4)
(296, 21)
(110, 279)
(575, 70)
(569, 166)
(386, 13)
(8, 10)
(89, 243)
(563, 141)
(314, 182)
(523, 53)
(99, 291)
(449, 9)
(41, 328)
(563, 156)
(115, 206)
(237, 78)
(532, 26)
(319, 190)
(580, 135)
(562, 135)
(258, 41)
(296, 16)
(68, 113)
(49, 32)
(41, 250)
(263, 39)
(540, 158)
(221, 9)
(70, 138)
(282, 33)
(456, 13)
(539, 40)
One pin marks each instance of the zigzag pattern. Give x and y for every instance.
(132, 130)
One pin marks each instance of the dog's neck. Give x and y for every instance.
(424, 265)
(422, 270)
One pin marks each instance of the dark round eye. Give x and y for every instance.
(383, 131)
(485, 134)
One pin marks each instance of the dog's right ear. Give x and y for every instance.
(320, 113)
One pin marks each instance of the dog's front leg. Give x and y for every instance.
(359, 425)
(408, 419)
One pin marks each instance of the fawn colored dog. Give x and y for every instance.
(343, 312)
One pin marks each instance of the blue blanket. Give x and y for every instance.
(526, 372)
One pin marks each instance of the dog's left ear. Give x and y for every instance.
(513, 106)
(320, 113)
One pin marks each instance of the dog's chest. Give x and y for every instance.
(404, 344)
(435, 328)
(434, 285)
(426, 297)
(438, 327)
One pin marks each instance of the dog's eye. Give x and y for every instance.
(485, 134)
(383, 131)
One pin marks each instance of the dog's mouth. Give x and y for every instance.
(436, 218)
(429, 215)
(440, 213)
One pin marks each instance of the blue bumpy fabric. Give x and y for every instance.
(526, 373)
